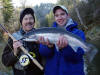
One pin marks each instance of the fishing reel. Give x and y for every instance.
(24, 60)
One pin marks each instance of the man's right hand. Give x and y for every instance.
(16, 45)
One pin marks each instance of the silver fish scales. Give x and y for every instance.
(73, 40)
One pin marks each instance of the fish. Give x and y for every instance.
(53, 35)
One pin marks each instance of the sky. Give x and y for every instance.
(17, 3)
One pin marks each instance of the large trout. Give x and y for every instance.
(73, 40)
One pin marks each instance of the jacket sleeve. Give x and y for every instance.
(8, 58)
(70, 54)
(45, 51)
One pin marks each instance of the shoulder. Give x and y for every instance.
(17, 35)
(54, 24)
(79, 33)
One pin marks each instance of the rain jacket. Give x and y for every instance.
(65, 61)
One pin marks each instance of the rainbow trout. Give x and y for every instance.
(73, 40)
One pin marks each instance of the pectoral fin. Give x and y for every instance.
(56, 47)
(74, 47)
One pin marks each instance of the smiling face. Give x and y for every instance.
(61, 17)
(28, 22)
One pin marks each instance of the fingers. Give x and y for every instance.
(62, 42)
(49, 44)
(16, 44)
(41, 40)
(45, 41)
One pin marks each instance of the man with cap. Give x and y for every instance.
(64, 61)
(12, 55)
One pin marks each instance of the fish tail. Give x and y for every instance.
(92, 51)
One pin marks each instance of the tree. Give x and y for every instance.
(1, 16)
(23, 3)
(78, 14)
(41, 12)
(7, 11)
(50, 18)
(66, 3)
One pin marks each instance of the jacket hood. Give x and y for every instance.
(70, 24)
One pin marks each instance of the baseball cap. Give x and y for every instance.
(60, 7)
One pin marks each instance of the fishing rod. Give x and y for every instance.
(23, 49)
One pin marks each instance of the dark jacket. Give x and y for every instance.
(8, 58)
(66, 61)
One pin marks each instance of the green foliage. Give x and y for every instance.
(7, 10)
(50, 18)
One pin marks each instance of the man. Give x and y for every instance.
(13, 56)
(64, 61)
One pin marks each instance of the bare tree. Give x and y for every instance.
(78, 14)
(85, 1)
(23, 2)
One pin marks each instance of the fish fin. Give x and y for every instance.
(74, 47)
(90, 54)
(57, 48)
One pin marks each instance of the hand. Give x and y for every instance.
(45, 42)
(62, 42)
(16, 45)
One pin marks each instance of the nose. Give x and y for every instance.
(59, 17)
(28, 20)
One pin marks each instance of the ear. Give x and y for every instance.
(68, 15)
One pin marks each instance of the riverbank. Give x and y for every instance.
(3, 70)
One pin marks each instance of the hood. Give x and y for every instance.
(69, 26)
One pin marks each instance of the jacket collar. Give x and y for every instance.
(70, 24)
(25, 33)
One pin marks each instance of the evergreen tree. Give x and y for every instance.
(7, 11)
